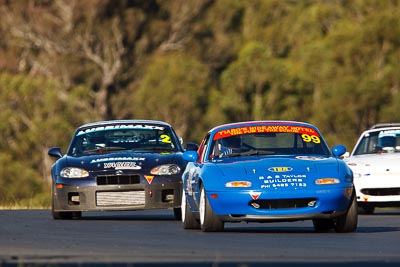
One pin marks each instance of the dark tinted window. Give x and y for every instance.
(123, 137)
(384, 141)
(269, 144)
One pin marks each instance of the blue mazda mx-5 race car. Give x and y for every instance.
(267, 171)
(118, 165)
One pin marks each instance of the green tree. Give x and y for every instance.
(35, 114)
(260, 86)
(174, 89)
(68, 41)
(357, 74)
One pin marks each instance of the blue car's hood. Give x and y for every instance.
(273, 172)
(263, 166)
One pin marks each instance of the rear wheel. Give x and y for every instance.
(188, 220)
(348, 221)
(209, 222)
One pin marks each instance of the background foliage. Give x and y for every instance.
(192, 63)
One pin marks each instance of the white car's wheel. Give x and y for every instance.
(209, 222)
(368, 209)
(188, 220)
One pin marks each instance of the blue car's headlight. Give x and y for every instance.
(327, 181)
(238, 184)
(71, 172)
(167, 169)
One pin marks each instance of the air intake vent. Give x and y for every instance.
(118, 179)
(381, 191)
(125, 198)
(283, 203)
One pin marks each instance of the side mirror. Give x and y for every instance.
(191, 146)
(55, 152)
(190, 156)
(338, 150)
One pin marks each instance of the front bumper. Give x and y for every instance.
(386, 193)
(116, 197)
(281, 205)
(378, 196)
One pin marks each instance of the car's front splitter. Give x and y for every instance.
(279, 218)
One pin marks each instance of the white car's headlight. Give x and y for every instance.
(71, 172)
(167, 169)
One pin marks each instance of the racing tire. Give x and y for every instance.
(65, 215)
(367, 209)
(177, 214)
(348, 222)
(209, 222)
(188, 220)
(323, 225)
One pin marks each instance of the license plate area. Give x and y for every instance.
(120, 198)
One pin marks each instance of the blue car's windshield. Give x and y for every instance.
(114, 138)
(269, 144)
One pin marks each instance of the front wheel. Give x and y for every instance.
(65, 215)
(367, 209)
(348, 222)
(323, 225)
(188, 220)
(177, 214)
(209, 222)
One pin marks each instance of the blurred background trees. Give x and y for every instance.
(192, 63)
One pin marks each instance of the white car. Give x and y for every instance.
(375, 161)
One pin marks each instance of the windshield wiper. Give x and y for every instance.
(103, 149)
(154, 148)
(248, 153)
(257, 152)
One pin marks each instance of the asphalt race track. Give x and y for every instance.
(154, 238)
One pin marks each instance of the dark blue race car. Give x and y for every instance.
(267, 171)
(118, 165)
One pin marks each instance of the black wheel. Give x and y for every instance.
(348, 222)
(56, 215)
(188, 220)
(65, 215)
(177, 214)
(367, 209)
(209, 222)
(323, 225)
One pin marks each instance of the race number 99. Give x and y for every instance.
(310, 138)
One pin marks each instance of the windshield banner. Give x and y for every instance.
(265, 129)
